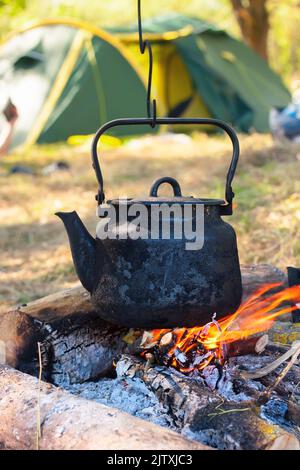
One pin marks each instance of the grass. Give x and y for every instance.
(34, 255)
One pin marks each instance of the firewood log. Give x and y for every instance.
(76, 344)
(257, 275)
(71, 423)
(166, 340)
(284, 442)
(242, 347)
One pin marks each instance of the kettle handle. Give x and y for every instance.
(229, 194)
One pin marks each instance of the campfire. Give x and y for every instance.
(230, 384)
(190, 350)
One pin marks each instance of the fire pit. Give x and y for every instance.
(191, 350)
(232, 384)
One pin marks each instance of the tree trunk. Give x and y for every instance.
(253, 19)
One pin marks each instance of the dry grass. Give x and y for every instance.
(34, 256)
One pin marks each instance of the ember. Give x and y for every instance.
(192, 349)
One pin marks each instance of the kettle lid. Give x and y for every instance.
(148, 201)
(176, 199)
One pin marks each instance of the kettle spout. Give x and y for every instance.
(83, 248)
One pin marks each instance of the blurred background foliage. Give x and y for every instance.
(283, 16)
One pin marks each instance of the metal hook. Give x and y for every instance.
(143, 46)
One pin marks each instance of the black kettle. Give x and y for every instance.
(151, 281)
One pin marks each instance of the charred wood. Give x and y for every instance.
(253, 345)
(76, 344)
(201, 412)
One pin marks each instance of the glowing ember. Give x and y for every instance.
(192, 349)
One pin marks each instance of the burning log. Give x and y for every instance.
(242, 347)
(166, 340)
(197, 347)
(147, 341)
(163, 340)
(97, 426)
(202, 413)
(191, 355)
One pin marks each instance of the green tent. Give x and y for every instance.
(201, 70)
(68, 78)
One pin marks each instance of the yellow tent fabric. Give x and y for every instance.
(200, 70)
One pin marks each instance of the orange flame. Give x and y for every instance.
(204, 344)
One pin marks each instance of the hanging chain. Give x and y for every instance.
(151, 113)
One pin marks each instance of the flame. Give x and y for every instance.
(195, 348)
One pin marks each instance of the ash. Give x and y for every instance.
(216, 406)
(127, 394)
